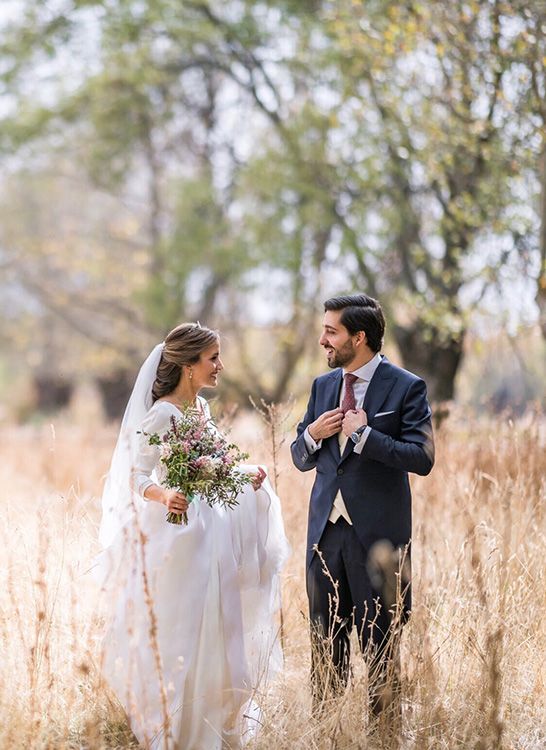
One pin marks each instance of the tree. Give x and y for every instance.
(318, 145)
(146, 115)
(425, 160)
(530, 52)
(402, 135)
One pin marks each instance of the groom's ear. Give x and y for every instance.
(361, 337)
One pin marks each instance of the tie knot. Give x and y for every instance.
(350, 378)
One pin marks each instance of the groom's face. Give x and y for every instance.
(336, 340)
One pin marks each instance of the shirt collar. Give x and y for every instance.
(366, 371)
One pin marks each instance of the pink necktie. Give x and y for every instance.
(349, 402)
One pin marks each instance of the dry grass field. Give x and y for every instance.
(474, 652)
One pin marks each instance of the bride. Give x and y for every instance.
(191, 632)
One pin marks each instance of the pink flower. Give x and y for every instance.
(165, 450)
(204, 464)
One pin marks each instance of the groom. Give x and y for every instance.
(368, 423)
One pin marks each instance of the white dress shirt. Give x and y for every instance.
(360, 386)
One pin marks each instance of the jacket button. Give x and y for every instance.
(340, 471)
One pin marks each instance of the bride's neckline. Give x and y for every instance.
(197, 405)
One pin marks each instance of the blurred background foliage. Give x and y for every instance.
(237, 162)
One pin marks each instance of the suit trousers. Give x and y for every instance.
(342, 596)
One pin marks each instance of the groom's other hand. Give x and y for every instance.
(326, 425)
(354, 419)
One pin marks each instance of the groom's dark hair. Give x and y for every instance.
(360, 313)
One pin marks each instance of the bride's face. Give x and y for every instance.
(205, 372)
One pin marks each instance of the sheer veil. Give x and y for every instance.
(119, 501)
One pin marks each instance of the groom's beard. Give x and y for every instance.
(342, 356)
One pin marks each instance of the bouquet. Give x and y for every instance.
(199, 461)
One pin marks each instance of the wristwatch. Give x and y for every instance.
(355, 436)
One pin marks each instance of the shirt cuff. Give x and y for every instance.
(312, 446)
(362, 442)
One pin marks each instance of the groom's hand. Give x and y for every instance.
(354, 419)
(326, 425)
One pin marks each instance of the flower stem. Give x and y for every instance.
(178, 518)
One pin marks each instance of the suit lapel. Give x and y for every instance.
(378, 390)
(332, 391)
(331, 401)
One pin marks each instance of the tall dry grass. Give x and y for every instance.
(473, 653)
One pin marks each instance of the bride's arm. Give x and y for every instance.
(146, 460)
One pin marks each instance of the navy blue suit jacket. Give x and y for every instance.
(374, 484)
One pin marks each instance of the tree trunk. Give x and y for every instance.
(115, 389)
(432, 355)
(52, 392)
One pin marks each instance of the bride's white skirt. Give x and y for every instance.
(192, 633)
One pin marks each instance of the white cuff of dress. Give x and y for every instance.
(312, 446)
(362, 442)
(143, 486)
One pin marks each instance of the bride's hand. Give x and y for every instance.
(175, 501)
(258, 478)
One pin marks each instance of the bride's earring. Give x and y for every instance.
(191, 373)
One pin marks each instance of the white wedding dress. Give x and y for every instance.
(191, 627)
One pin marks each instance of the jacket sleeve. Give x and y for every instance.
(303, 460)
(414, 449)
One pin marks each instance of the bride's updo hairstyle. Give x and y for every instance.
(183, 347)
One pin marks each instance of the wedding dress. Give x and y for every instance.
(191, 629)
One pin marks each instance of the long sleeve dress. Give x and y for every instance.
(192, 633)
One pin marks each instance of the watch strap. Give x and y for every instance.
(355, 436)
